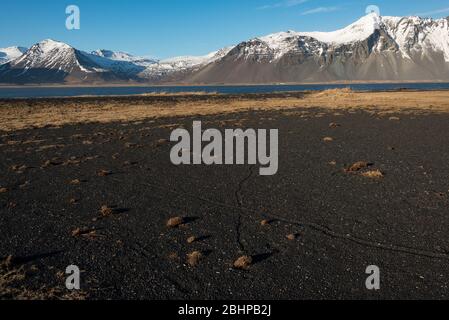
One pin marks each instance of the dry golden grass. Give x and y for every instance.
(335, 92)
(182, 93)
(13, 287)
(18, 115)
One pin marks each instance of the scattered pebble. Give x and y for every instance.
(19, 169)
(243, 263)
(265, 222)
(175, 222)
(106, 211)
(292, 237)
(52, 162)
(130, 145)
(3, 190)
(191, 239)
(104, 173)
(24, 185)
(89, 233)
(373, 174)
(173, 256)
(161, 142)
(193, 259)
(75, 182)
(358, 166)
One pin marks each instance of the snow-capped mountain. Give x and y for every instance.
(11, 53)
(177, 68)
(373, 48)
(123, 56)
(51, 61)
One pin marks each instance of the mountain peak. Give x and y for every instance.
(372, 14)
(50, 44)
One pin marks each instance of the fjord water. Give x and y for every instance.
(48, 92)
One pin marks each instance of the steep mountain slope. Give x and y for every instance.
(11, 53)
(373, 48)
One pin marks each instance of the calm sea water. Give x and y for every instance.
(37, 92)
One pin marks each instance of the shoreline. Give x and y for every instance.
(189, 94)
(181, 85)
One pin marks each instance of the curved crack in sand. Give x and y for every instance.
(324, 230)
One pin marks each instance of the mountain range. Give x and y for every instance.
(374, 48)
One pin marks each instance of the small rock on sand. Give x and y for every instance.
(175, 222)
(243, 263)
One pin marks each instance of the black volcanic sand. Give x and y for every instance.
(344, 222)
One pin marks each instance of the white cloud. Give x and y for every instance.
(319, 10)
(431, 13)
(283, 4)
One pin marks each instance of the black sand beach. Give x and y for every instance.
(55, 181)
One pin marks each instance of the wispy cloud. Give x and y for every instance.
(431, 13)
(283, 4)
(319, 10)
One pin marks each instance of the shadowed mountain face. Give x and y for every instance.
(373, 48)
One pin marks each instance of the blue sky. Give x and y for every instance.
(165, 28)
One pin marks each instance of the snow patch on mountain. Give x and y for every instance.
(11, 53)
(410, 33)
(358, 31)
(418, 34)
(124, 56)
(183, 63)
